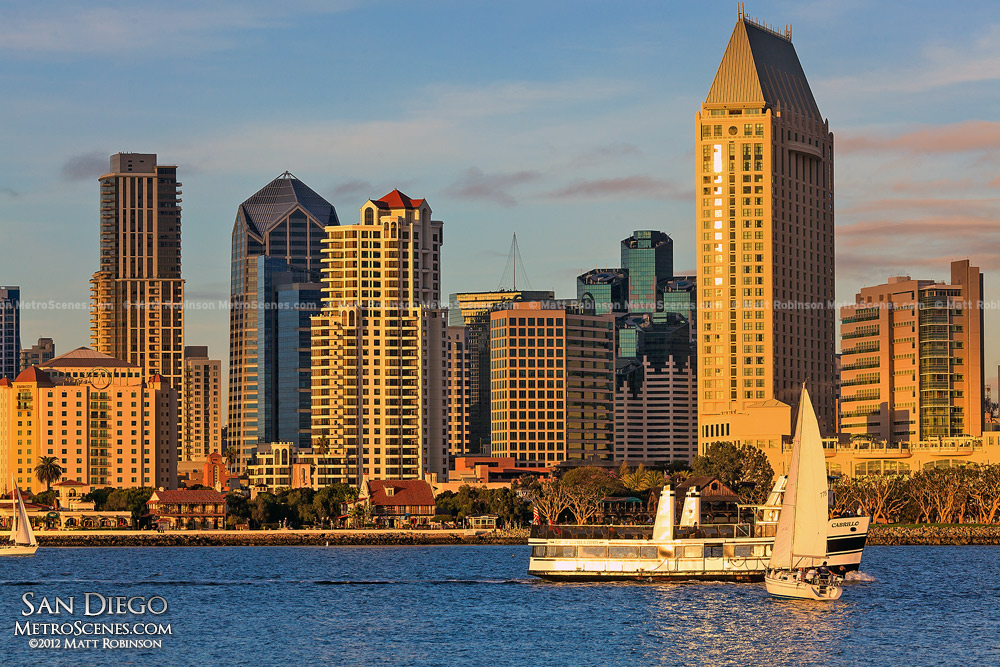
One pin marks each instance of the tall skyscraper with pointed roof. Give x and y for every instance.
(764, 184)
(285, 221)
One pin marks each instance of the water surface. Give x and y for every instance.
(474, 605)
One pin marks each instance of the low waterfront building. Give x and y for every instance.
(182, 509)
(486, 470)
(861, 456)
(396, 503)
(283, 465)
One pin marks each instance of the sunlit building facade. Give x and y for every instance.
(912, 359)
(552, 373)
(379, 346)
(104, 420)
(765, 246)
(10, 331)
(137, 295)
(201, 405)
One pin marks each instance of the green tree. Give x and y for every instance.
(46, 497)
(48, 470)
(322, 445)
(552, 499)
(264, 509)
(743, 468)
(99, 497)
(230, 455)
(237, 508)
(133, 500)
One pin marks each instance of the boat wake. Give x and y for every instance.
(859, 577)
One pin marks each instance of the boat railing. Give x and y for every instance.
(705, 531)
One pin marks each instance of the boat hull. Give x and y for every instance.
(18, 550)
(784, 585)
(707, 559)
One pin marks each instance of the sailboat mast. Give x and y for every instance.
(515, 261)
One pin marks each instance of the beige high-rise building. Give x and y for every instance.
(137, 296)
(552, 378)
(201, 403)
(764, 183)
(912, 355)
(104, 420)
(379, 346)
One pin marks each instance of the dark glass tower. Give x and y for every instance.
(285, 221)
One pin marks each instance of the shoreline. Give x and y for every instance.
(878, 535)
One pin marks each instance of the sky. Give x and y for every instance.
(569, 123)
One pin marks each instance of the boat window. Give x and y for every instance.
(743, 550)
(713, 551)
(593, 552)
(693, 551)
(623, 552)
(647, 552)
(538, 551)
(560, 552)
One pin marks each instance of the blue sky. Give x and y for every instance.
(570, 123)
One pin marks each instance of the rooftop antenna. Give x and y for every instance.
(511, 268)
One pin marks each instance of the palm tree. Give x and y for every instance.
(323, 445)
(48, 470)
(230, 455)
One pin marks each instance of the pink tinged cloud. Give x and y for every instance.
(967, 136)
(642, 186)
(474, 184)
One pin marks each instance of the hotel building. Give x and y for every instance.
(912, 359)
(764, 184)
(285, 221)
(379, 347)
(552, 373)
(201, 403)
(137, 295)
(103, 419)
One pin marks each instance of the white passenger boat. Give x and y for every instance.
(689, 549)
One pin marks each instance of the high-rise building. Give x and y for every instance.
(472, 310)
(764, 184)
(379, 347)
(10, 331)
(553, 374)
(104, 420)
(137, 295)
(460, 383)
(285, 220)
(655, 397)
(201, 405)
(912, 359)
(603, 291)
(648, 257)
(38, 354)
(284, 360)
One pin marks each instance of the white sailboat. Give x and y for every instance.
(22, 538)
(797, 568)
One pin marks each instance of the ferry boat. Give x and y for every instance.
(690, 550)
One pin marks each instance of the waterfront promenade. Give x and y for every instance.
(879, 535)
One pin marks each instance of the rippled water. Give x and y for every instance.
(461, 605)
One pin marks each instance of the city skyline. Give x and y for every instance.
(552, 136)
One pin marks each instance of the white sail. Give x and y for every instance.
(23, 535)
(802, 526)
